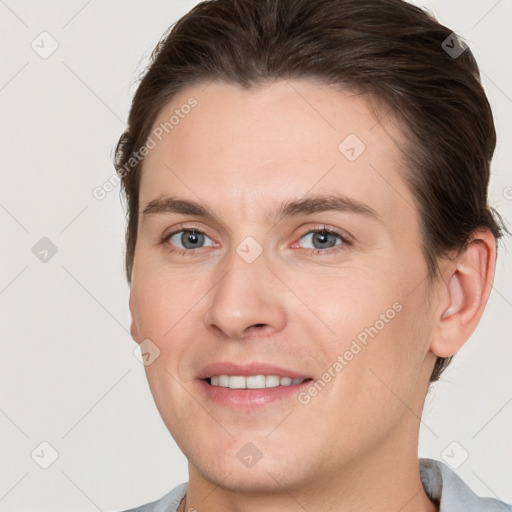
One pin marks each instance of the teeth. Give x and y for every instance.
(252, 382)
(272, 381)
(237, 382)
(255, 381)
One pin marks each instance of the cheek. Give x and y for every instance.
(161, 300)
(163, 310)
(393, 358)
(348, 304)
(380, 334)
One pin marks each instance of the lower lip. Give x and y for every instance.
(250, 398)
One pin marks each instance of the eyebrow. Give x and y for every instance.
(293, 208)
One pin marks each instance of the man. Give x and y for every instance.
(308, 245)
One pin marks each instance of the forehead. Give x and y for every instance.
(274, 142)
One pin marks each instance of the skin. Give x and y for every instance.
(241, 153)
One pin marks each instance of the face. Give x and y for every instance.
(299, 265)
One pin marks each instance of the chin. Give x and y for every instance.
(245, 468)
(255, 480)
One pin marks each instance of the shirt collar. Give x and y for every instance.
(445, 488)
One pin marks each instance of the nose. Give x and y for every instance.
(247, 301)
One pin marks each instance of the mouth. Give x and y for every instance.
(260, 381)
(252, 381)
(250, 386)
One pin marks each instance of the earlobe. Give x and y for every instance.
(468, 282)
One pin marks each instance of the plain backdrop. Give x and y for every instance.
(73, 396)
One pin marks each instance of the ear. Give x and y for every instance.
(468, 282)
(133, 326)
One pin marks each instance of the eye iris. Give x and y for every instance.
(191, 237)
(322, 237)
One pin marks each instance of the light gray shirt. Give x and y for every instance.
(442, 485)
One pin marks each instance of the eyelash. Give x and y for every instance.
(323, 229)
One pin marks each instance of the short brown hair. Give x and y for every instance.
(387, 49)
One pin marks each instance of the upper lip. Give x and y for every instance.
(245, 370)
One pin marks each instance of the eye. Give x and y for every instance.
(323, 239)
(186, 240)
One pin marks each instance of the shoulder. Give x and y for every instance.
(167, 503)
(443, 485)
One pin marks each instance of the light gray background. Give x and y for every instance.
(68, 375)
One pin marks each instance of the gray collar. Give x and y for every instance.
(445, 488)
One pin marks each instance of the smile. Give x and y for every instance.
(252, 381)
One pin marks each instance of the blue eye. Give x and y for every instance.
(189, 239)
(186, 240)
(324, 239)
